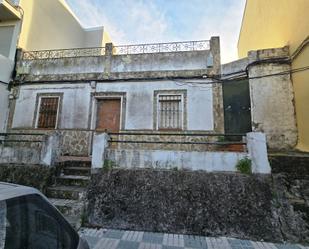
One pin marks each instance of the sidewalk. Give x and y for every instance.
(119, 239)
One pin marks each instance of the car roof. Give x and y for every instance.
(10, 190)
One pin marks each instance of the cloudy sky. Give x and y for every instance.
(148, 21)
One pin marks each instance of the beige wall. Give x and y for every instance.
(49, 24)
(277, 23)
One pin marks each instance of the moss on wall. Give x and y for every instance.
(36, 176)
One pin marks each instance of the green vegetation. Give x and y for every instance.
(244, 166)
(109, 165)
(221, 139)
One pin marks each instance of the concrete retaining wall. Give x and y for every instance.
(193, 159)
(164, 159)
(29, 153)
(194, 202)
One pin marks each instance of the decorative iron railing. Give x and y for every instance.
(63, 53)
(120, 50)
(162, 47)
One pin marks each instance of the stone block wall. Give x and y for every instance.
(75, 142)
(72, 142)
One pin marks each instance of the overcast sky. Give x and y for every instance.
(148, 21)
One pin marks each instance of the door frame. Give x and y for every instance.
(107, 95)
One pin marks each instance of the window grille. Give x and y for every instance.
(170, 112)
(48, 112)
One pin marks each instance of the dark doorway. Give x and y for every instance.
(237, 108)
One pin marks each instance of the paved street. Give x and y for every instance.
(118, 239)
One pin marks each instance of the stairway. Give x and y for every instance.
(68, 192)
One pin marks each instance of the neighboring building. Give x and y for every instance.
(38, 25)
(278, 23)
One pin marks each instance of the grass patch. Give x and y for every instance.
(244, 166)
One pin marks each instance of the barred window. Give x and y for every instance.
(48, 112)
(170, 112)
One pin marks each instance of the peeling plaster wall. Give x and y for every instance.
(77, 106)
(272, 100)
(65, 66)
(160, 62)
(164, 159)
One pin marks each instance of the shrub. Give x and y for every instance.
(244, 166)
(109, 165)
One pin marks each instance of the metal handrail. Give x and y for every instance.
(162, 47)
(21, 134)
(173, 142)
(179, 134)
(21, 141)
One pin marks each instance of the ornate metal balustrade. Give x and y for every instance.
(124, 49)
(63, 53)
(162, 47)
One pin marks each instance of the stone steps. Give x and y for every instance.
(67, 206)
(82, 171)
(69, 189)
(75, 162)
(66, 192)
(73, 180)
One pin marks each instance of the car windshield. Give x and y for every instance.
(30, 222)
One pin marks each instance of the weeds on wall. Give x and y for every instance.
(244, 166)
(108, 165)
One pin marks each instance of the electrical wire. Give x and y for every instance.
(215, 78)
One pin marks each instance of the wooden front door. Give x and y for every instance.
(108, 115)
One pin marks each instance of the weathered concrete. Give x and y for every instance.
(117, 67)
(32, 151)
(22, 155)
(235, 66)
(164, 159)
(171, 156)
(4, 105)
(272, 99)
(194, 202)
(79, 106)
(100, 143)
(256, 144)
(64, 66)
(50, 149)
(6, 68)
